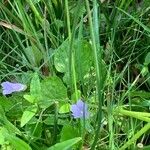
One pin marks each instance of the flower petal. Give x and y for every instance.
(81, 105)
(6, 92)
(18, 87)
(9, 87)
(75, 111)
(80, 110)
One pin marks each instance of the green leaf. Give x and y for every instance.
(7, 124)
(73, 96)
(17, 143)
(34, 129)
(29, 98)
(28, 114)
(64, 108)
(35, 87)
(66, 145)
(50, 121)
(61, 58)
(53, 89)
(11, 128)
(33, 54)
(6, 103)
(2, 138)
(68, 132)
(83, 59)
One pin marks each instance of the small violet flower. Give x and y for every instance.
(80, 110)
(9, 87)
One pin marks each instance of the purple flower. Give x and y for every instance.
(9, 87)
(80, 110)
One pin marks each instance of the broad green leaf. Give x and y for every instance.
(50, 121)
(66, 145)
(17, 143)
(53, 89)
(28, 114)
(69, 132)
(29, 98)
(11, 128)
(35, 86)
(83, 59)
(64, 108)
(45, 103)
(61, 58)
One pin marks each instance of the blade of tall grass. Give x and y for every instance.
(71, 33)
(37, 14)
(94, 31)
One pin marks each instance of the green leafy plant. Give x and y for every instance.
(74, 74)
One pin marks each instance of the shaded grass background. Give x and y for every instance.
(32, 31)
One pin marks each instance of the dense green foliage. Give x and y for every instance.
(66, 50)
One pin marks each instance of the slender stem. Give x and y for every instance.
(68, 19)
(72, 71)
